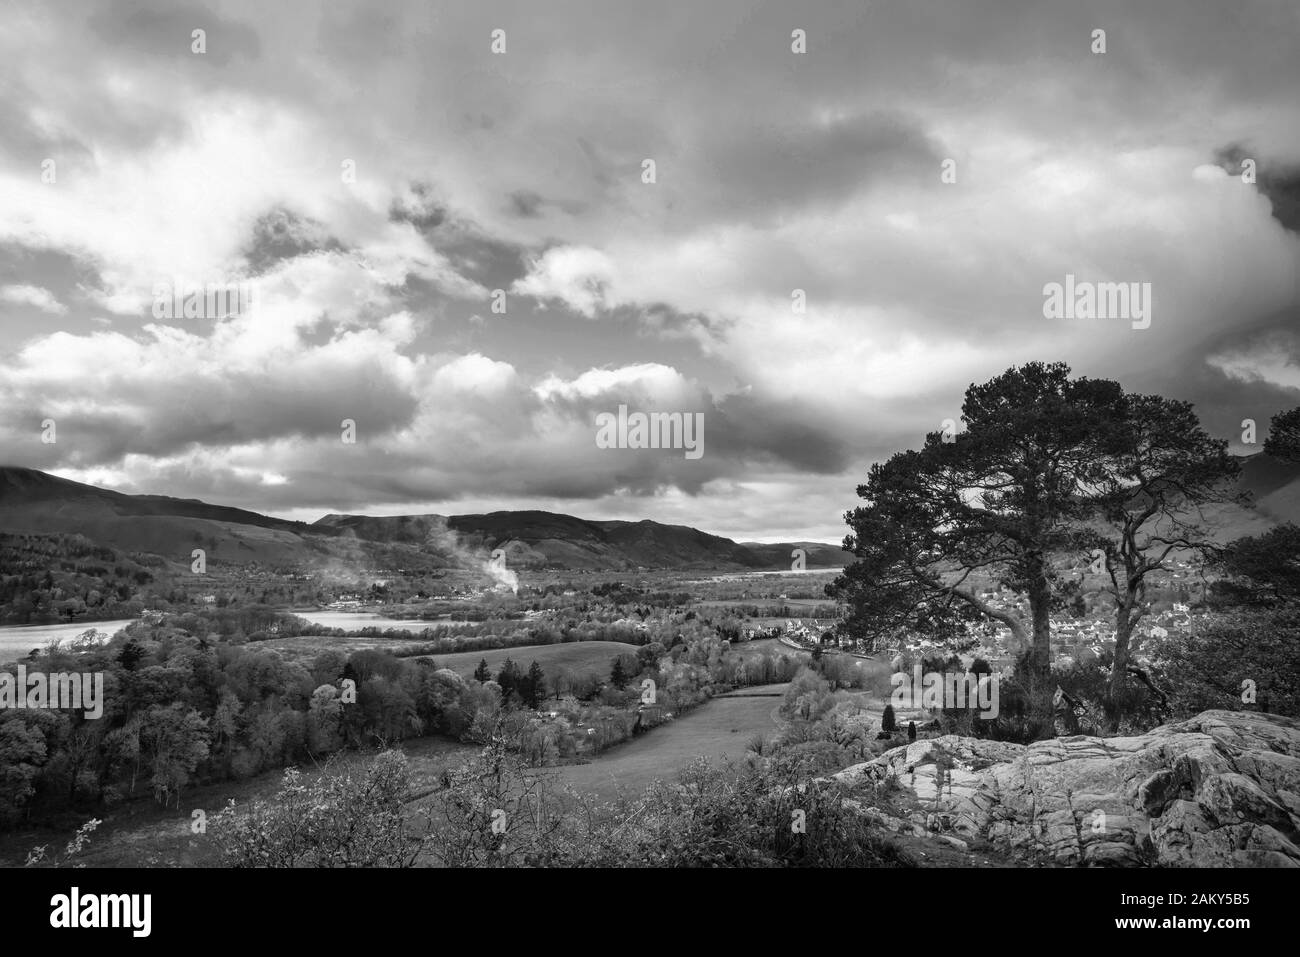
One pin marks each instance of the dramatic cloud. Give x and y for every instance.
(459, 251)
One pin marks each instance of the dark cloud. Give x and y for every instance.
(420, 208)
(1280, 182)
(525, 203)
(490, 261)
(363, 36)
(281, 234)
(164, 29)
(786, 435)
(761, 173)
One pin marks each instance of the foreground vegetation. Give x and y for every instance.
(492, 811)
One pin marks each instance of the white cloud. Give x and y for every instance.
(575, 275)
(25, 295)
(475, 373)
(650, 380)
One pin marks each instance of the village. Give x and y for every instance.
(1084, 633)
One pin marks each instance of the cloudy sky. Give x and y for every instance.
(376, 174)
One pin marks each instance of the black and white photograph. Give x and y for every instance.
(551, 436)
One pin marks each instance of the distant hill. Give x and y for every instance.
(36, 502)
(1275, 485)
(45, 493)
(536, 539)
(816, 554)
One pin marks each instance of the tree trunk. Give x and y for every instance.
(1041, 686)
(1119, 670)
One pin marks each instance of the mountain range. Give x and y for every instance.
(37, 502)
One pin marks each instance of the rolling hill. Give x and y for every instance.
(36, 502)
(535, 539)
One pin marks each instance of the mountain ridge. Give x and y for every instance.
(40, 503)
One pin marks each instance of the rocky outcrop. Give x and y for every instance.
(1219, 790)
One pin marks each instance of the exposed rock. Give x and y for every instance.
(1219, 790)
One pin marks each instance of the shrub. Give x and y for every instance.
(339, 819)
(888, 723)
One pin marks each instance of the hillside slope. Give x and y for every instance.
(36, 502)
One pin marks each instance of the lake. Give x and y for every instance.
(352, 620)
(17, 640)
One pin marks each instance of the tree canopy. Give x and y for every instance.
(1050, 469)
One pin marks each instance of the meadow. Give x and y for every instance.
(583, 659)
(716, 731)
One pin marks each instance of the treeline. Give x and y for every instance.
(181, 708)
(781, 610)
(67, 578)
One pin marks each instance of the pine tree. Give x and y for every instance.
(618, 676)
(508, 678)
(534, 685)
(481, 673)
(887, 721)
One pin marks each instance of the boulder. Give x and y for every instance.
(1221, 789)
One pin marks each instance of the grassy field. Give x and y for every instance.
(719, 729)
(304, 648)
(594, 658)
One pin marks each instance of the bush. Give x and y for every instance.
(764, 815)
(1209, 666)
(339, 819)
(493, 811)
(888, 722)
(1085, 683)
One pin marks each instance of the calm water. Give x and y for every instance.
(352, 620)
(747, 576)
(17, 640)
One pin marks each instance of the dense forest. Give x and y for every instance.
(68, 578)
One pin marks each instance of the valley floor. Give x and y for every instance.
(145, 834)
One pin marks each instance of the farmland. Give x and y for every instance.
(586, 658)
(716, 731)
